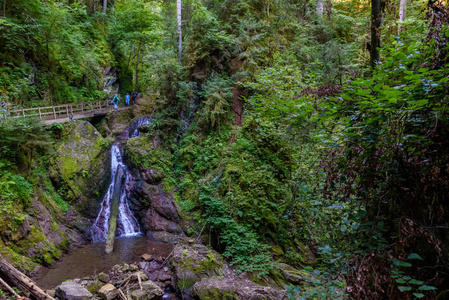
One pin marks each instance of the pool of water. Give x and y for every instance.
(91, 259)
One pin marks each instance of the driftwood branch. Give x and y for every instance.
(122, 295)
(140, 281)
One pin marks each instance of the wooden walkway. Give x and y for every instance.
(66, 112)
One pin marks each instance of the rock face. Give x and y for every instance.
(83, 164)
(71, 290)
(235, 289)
(201, 272)
(156, 211)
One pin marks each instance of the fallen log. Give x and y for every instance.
(119, 177)
(20, 279)
(9, 288)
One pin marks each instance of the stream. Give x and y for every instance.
(91, 259)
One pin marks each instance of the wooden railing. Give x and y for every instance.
(61, 111)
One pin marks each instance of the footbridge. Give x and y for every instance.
(66, 112)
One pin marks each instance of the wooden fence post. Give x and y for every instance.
(54, 112)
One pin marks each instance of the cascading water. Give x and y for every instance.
(133, 131)
(127, 224)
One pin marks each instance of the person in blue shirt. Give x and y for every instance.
(127, 99)
(116, 100)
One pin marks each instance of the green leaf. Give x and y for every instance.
(404, 288)
(414, 281)
(414, 256)
(404, 264)
(418, 295)
(426, 288)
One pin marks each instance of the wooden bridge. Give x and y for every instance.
(66, 112)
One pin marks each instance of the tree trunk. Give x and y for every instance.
(376, 21)
(178, 13)
(19, 279)
(4, 8)
(105, 5)
(402, 10)
(114, 209)
(319, 7)
(137, 66)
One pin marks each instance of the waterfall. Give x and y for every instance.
(127, 224)
(133, 131)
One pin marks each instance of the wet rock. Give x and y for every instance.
(143, 265)
(167, 237)
(146, 257)
(108, 292)
(151, 288)
(143, 128)
(235, 288)
(103, 277)
(71, 290)
(139, 295)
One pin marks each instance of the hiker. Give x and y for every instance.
(116, 100)
(133, 98)
(127, 99)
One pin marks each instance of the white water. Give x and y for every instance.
(134, 132)
(127, 224)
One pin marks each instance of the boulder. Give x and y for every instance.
(139, 295)
(108, 292)
(71, 290)
(151, 288)
(235, 288)
(103, 277)
(146, 257)
(192, 263)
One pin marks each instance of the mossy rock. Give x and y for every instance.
(194, 262)
(118, 121)
(212, 293)
(235, 288)
(83, 166)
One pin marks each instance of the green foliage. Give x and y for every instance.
(218, 95)
(393, 123)
(67, 54)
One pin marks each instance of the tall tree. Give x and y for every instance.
(319, 7)
(178, 13)
(105, 5)
(402, 10)
(376, 23)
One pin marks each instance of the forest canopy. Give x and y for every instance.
(312, 133)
